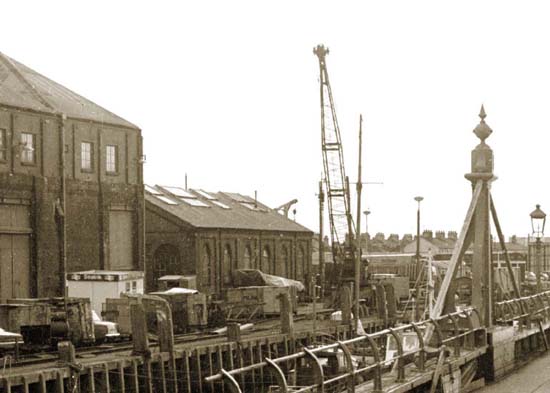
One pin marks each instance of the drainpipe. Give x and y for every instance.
(61, 213)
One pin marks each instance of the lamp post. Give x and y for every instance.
(538, 220)
(366, 213)
(418, 266)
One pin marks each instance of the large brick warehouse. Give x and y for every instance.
(70, 185)
(210, 235)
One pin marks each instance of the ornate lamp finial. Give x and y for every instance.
(482, 113)
(482, 130)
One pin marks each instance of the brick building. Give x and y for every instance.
(71, 194)
(193, 232)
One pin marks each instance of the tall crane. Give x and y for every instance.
(335, 179)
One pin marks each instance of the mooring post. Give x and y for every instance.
(287, 319)
(234, 331)
(166, 343)
(140, 341)
(345, 305)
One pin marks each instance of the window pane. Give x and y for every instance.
(27, 148)
(3, 145)
(111, 158)
(86, 155)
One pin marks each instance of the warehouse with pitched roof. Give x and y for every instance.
(210, 235)
(71, 188)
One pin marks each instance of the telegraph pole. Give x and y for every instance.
(358, 237)
(321, 240)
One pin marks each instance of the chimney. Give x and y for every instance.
(440, 235)
(380, 236)
(513, 239)
(407, 238)
(452, 235)
(427, 234)
(394, 237)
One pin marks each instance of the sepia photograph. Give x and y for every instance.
(273, 197)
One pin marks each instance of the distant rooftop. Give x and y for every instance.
(22, 87)
(202, 209)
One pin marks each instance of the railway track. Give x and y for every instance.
(28, 357)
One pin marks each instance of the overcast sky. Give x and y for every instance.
(227, 92)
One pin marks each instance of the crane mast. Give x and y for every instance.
(336, 182)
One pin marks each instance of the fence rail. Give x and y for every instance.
(524, 309)
(457, 330)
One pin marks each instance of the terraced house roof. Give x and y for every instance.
(22, 87)
(226, 210)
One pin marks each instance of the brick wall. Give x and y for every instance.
(89, 195)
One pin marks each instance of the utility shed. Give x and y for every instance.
(213, 234)
(70, 184)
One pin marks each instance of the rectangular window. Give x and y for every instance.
(86, 156)
(3, 147)
(27, 148)
(111, 163)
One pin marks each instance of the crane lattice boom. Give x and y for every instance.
(337, 184)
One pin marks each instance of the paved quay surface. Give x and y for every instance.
(532, 378)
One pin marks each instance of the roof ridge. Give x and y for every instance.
(10, 64)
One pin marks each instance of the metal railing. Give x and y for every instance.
(523, 309)
(456, 330)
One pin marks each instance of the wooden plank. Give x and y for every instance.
(162, 373)
(260, 357)
(251, 357)
(199, 372)
(135, 376)
(42, 383)
(121, 382)
(240, 360)
(91, 380)
(219, 351)
(186, 356)
(459, 245)
(543, 334)
(59, 386)
(502, 241)
(438, 370)
(210, 365)
(148, 376)
(106, 382)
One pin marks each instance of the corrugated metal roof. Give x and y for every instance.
(254, 216)
(25, 88)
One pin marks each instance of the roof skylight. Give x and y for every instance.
(152, 190)
(179, 192)
(166, 200)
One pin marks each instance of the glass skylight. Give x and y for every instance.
(178, 191)
(220, 204)
(166, 200)
(206, 195)
(152, 190)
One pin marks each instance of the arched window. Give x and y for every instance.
(206, 262)
(266, 259)
(247, 258)
(165, 261)
(283, 266)
(227, 264)
(300, 263)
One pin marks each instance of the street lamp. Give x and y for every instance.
(418, 267)
(366, 213)
(538, 220)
